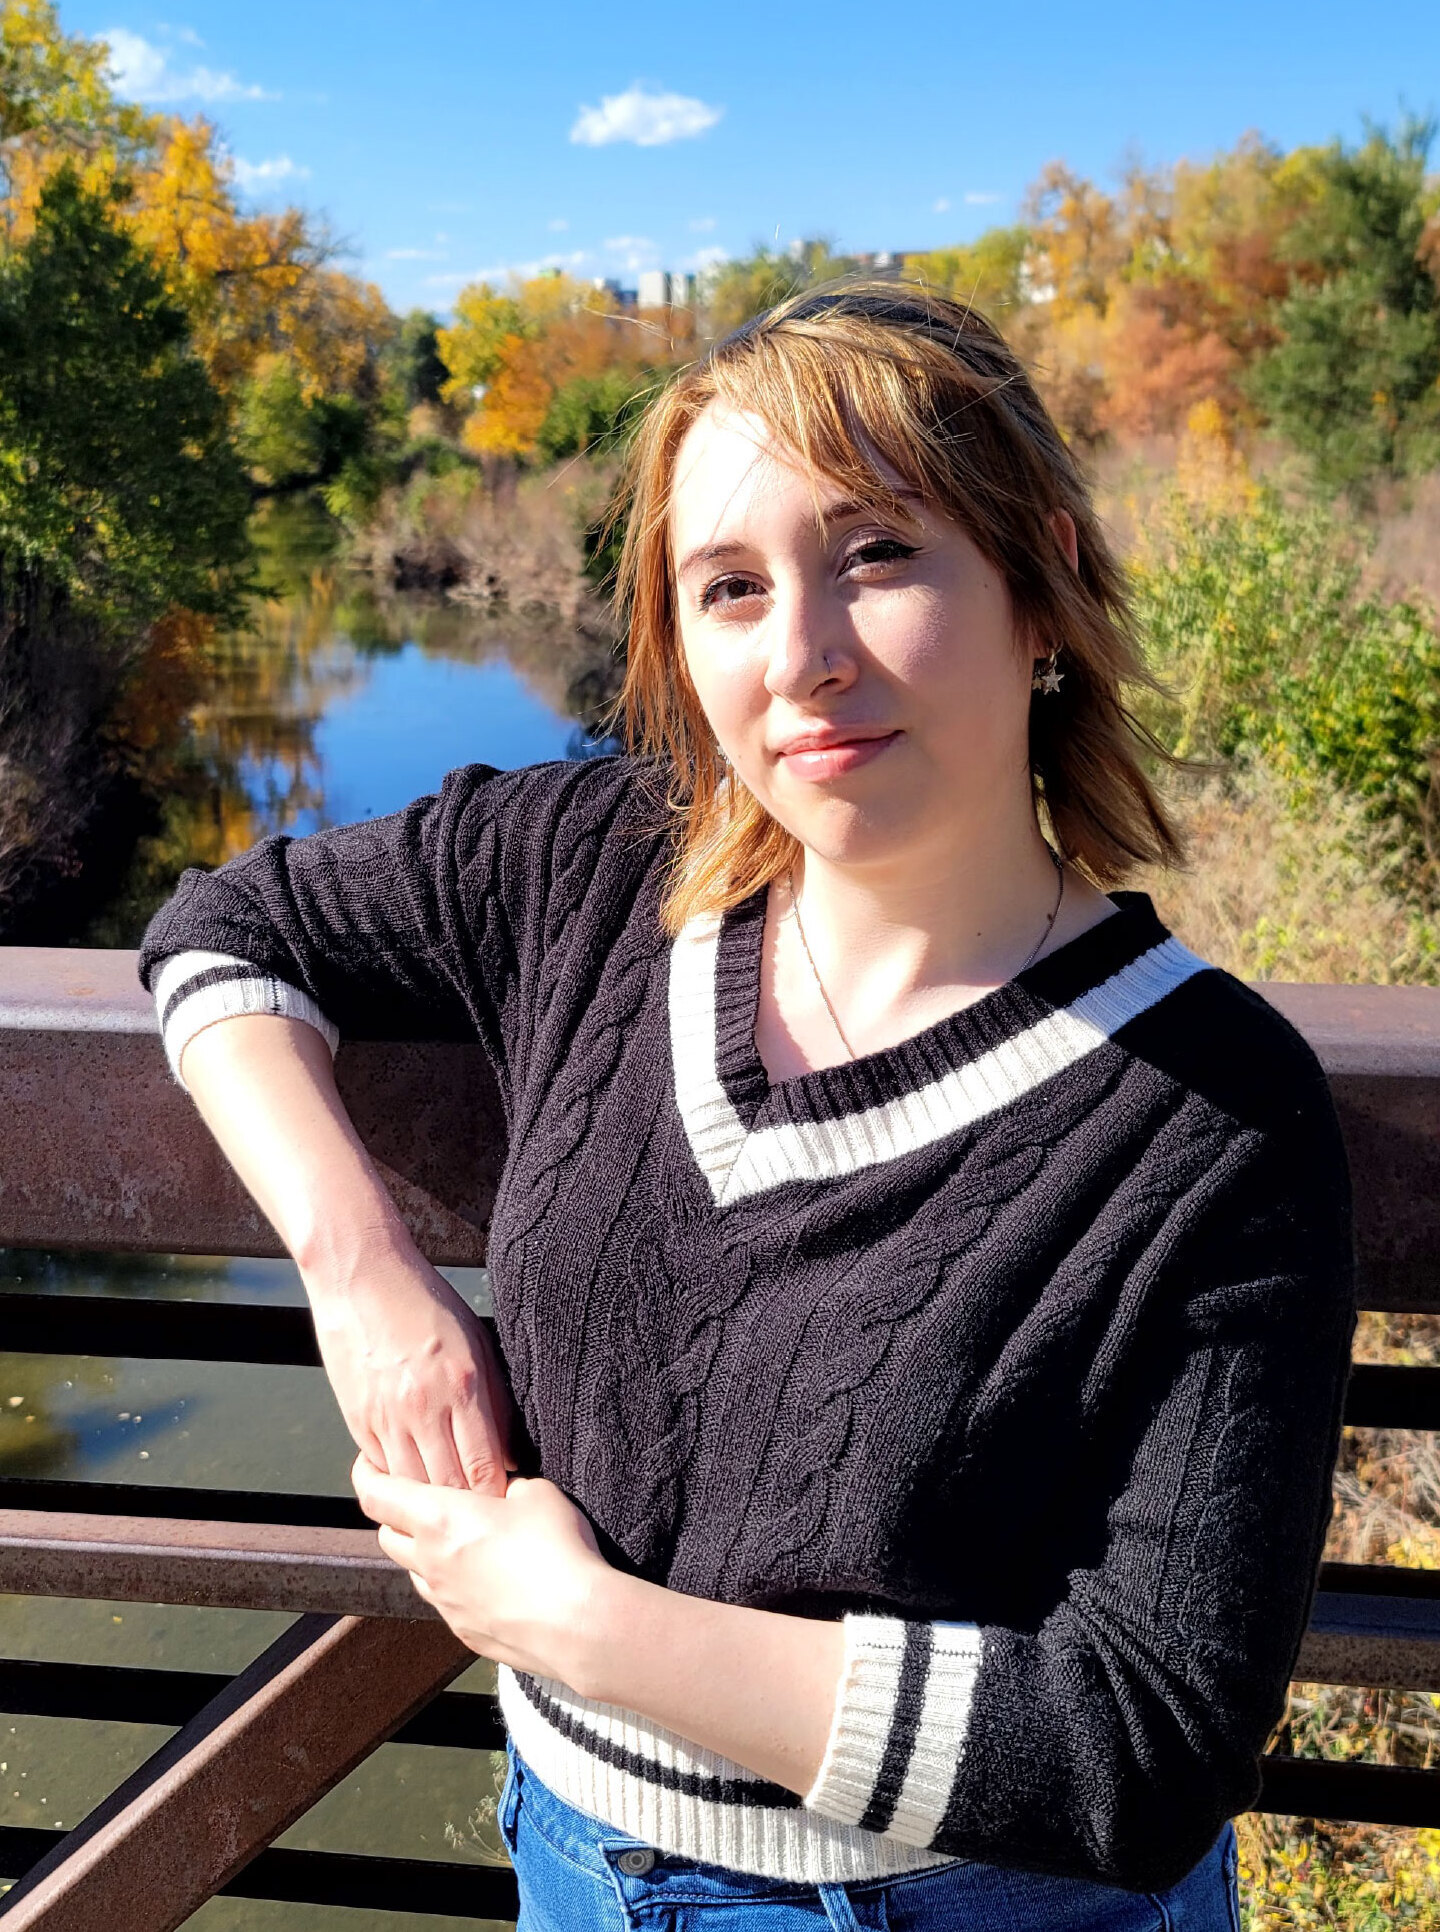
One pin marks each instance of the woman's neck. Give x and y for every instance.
(877, 954)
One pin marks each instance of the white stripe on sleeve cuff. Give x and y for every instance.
(902, 1711)
(195, 989)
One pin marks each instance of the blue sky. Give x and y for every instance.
(445, 140)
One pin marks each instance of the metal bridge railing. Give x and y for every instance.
(100, 1150)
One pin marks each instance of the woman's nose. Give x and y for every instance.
(809, 647)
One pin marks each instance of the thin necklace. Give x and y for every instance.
(1029, 959)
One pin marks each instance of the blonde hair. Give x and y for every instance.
(841, 375)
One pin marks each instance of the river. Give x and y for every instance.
(336, 705)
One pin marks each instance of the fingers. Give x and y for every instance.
(478, 1455)
(399, 1502)
(443, 1465)
(396, 1545)
(415, 1508)
(403, 1457)
(496, 1398)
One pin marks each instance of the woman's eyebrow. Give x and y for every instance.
(708, 553)
(857, 506)
(834, 513)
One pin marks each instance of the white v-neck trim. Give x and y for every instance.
(738, 1162)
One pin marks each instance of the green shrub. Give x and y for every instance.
(595, 413)
(1256, 617)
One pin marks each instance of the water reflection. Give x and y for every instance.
(339, 703)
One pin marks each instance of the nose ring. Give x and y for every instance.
(825, 659)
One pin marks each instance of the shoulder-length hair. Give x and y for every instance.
(840, 376)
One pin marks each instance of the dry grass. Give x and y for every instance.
(1285, 887)
(505, 543)
(1406, 558)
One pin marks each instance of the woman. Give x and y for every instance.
(925, 1286)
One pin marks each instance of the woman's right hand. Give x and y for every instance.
(416, 1375)
(412, 1366)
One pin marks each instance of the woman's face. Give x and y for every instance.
(862, 673)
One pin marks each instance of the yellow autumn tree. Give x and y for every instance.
(511, 350)
(56, 105)
(990, 273)
(253, 284)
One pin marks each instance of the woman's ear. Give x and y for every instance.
(1063, 524)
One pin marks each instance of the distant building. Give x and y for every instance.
(660, 288)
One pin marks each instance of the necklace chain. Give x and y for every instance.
(800, 928)
(815, 970)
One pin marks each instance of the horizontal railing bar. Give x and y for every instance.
(1364, 1640)
(275, 1565)
(100, 1149)
(198, 1331)
(432, 1886)
(1379, 1580)
(125, 1694)
(57, 1496)
(1382, 1396)
(213, 1565)
(380, 1884)
(1362, 1794)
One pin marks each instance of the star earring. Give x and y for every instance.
(1049, 679)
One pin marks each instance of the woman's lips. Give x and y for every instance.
(820, 762)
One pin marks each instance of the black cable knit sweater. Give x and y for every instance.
(1020, 1345)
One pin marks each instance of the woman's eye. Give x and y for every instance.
(881, 550)
(720, 592)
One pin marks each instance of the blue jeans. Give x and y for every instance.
(573, 1877)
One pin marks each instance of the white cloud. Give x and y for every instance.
(704, 258)
(558, 226)
(977, 200)
(649, 120)
(502, 272)
(250, 175)
(632, 251)
(701, 225)
(942, 206)
(414, 254)
(144, 72)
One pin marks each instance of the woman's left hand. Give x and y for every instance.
(516, 1577)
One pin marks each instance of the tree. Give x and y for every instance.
(419, 366)
(595, 413)
(1354, 381)
(119, 482)
(990, 273)
(756, 282)
(56, 105)
(511, 353)
(253, 284)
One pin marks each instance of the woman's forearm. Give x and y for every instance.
(412, 1367)
(757, 1686)
(265, 1087)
